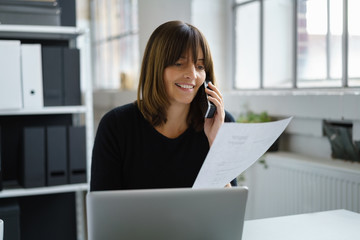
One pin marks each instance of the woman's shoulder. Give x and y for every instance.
(229, 117)
(122, 113)
(123, 110)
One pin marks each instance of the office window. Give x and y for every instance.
(319, 59)
(302, 44)
(247, 33)
(115, 42)
(278, 44)
(354, 42)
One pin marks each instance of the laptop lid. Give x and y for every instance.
(159, 214)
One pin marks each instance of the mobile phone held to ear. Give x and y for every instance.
(208, 109)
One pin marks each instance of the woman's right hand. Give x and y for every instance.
(212, 125)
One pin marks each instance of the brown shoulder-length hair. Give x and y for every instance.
(165, 46)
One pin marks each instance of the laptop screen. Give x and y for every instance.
(167, 214)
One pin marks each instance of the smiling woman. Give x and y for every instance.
(183, 79)
(162, 139)
(164, 52)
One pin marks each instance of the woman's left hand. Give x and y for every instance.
(212, 125)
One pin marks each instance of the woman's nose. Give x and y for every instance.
(190, 72)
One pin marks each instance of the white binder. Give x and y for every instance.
(10, 75)
(31, 65)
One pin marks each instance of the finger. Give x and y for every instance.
(217, 102)
(220, 112)
(214, 94)
(215, 89)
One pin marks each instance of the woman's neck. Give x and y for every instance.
(176, 123)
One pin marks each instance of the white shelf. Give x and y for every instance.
(44, 110)
(39, 32)
(20, 192)
(44, 34)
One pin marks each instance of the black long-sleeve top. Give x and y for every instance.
(129, 153)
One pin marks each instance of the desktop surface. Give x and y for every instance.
(328, 225)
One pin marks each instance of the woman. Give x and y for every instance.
(161, 140)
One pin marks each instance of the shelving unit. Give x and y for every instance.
(46, 110)
(40, 32)
(83, 113)
(21, 192)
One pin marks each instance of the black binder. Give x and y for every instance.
(48, 217)
(71, 63)
(77, 154)
(10, 214)
(33, 165)
(68, 12)
(30, 12)
(52, 76)
(1, 182)
(56, 155)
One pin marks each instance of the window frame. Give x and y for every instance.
(294, 83)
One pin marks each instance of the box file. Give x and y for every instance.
(61, 76)
(71, 63)
(33, 166)
(52, 76)
(56, 155)
(48, 217)
(1, 179)
(12, 150)
(30, 13)
(68, 12)
(10, 214)
(10, 77)
(31, 66)
(77, 154)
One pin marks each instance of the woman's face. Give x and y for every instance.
(183, 79)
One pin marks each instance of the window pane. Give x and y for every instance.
(115, 77)
(241, 1)
(116, 41)
(100, 19)
(247, 34)
(312, 29)
(114, 16)
(354, 43)
(278, 43)
(319, 47)
(129, 61)
(102, 62)
(335, 40)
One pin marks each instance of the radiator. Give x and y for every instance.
(292, 184)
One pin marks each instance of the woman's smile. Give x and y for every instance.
(185, 87)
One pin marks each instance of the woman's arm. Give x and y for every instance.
(106, 155)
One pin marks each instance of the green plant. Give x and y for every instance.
(251, 117)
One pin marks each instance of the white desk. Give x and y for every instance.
(329, 225)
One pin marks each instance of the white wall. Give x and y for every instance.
(155, 12)
(214, 20)
(308, 107)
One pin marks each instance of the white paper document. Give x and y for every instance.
(236, 147)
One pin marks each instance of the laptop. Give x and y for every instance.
(164, 214)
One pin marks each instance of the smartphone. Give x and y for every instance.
(208, 109)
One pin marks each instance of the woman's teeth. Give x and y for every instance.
(184, 86)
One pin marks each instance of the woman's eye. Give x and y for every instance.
(200, 67)
(177, 64)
